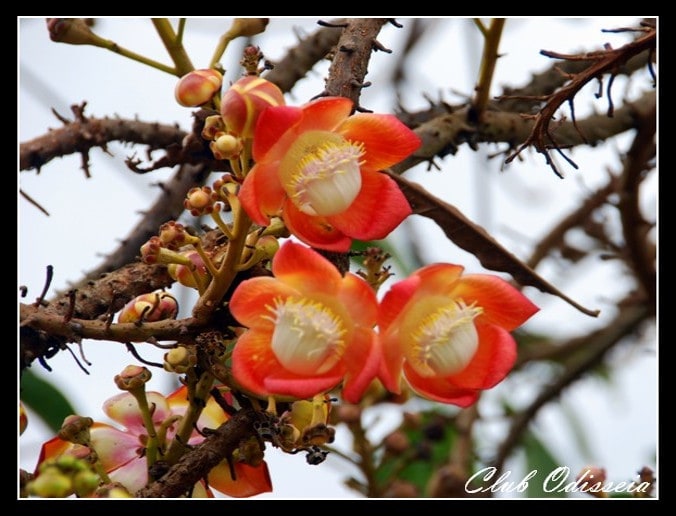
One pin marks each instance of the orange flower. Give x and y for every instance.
(309, 329)
(318, 168)
(448, 334)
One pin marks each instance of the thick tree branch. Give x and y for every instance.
(82, 134)
(196, 464)
(353, 53)
(442, 135)
(300, 59)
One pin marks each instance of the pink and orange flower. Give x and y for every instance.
(309, 329)
(121, 451)
(318, 168)
(448, 334)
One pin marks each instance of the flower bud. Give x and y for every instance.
(248, 26)
(397, 442)
(184, 274)
(132, 377)
(213, 125)
(75, 429)
(74, 31)
(199, 201)
(51, 483)
(226, 146)
(85, 482)
(198, 87)
(245, 101)
(155, 306)
(180, 359)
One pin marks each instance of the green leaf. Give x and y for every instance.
(45, 400)
(539, 458)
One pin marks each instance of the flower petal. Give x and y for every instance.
(379, 207)
(395, 299)
(123, 408)
(359, 299)
(440, 389)
(391, 359)
(252, 296)
(262, 195)
(362, 360)
(325, 114)
(55, 447)
(253, 360)
(133, 475)
(503, 304)
(305, 269)
(270, 131)
(491, 363)
(387, 140)
(314, 231)
(439, 279)
(302, 387)
(114, 447)
(249, 481)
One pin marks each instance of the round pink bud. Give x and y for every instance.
(245, 101)
(198, 87)
(183, 274)
(155, 306)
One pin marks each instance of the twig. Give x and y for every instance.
(492, 35)
(605, 61)
(576, 218)
(634, 226)
(592, 348)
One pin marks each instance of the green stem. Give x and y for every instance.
(152, 445)
(223, 43)
(114, 47)
(198, 393)
(492, 36)
(181, 30)
(221, 224)
(174, 46)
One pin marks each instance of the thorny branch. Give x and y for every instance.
(83, 133)
(301, 58)
(196, 464)
(605, 61)
(350, 64)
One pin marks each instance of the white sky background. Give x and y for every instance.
(517, 206)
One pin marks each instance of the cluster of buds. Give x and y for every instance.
(182, 252)
(64, 476)
(305, 425)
